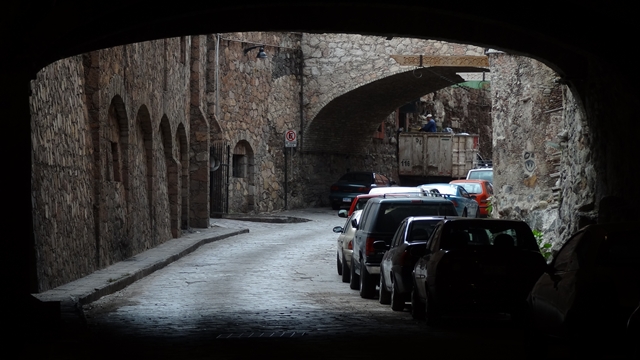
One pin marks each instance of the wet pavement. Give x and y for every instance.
(245, 289)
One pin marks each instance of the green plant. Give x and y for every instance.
(489, 207)
(545, 249)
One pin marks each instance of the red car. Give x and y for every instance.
(482, 190)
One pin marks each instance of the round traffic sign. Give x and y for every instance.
(290, 135)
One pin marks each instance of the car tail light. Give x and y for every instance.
(364, 189)
(334, 188)
(368, 248)
(454, 203)
(350, 245)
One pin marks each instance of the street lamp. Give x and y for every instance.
(261, 53)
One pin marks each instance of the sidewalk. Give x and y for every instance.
(73, 295)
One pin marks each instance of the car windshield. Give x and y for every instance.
(391, 215)
(442, 189)
(361, 203)
(488, 233)
(481, 175)
(472, 188)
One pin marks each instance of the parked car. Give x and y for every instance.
(396, 267)
(396, 190)
(360, 200)
(345, 244)
(590, 289)
(481, 174)
(343, 191)
(476, 266)
(482, 190)
(380, 219)
(465, 204)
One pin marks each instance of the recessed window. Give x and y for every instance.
(239, 165)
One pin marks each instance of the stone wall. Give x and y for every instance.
(62, 175)
(258, 102)
(578, 180)
(526, 104)
(109, 137)
(254, 101)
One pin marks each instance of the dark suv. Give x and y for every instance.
(380, 219)
(354, 183)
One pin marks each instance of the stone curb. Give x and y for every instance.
(120, 275)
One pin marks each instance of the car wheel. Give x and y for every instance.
(431, 311)
(354, 281)
(397, 300)
(346, 274)
(464, 212)
(417, 308)
(385, 295)
(367, 286)
(339, 263)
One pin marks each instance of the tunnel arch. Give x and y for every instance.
(558, 38)
(346, 123)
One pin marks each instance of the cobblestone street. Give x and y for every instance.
(272, 291)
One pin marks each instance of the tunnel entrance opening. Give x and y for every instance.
(609, 163)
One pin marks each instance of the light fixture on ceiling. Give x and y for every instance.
(261, 53)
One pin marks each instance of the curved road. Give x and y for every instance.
(274, 291)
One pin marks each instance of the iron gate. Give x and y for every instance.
(219, 178)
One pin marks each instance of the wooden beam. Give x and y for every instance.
(426, 61)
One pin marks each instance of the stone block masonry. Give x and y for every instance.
(110, 157)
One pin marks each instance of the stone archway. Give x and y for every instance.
(113, 241)
(168, 180)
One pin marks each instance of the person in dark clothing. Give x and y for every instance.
(429, 125)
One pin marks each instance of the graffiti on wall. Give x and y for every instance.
(529, 162)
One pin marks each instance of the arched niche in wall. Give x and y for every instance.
(182, 155)
(243, 164)
(142, 158)
(172, 176)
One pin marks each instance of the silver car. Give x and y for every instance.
(345, 245)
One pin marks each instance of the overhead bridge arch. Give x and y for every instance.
(346, 123)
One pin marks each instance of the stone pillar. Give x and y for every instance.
(199, 170)
(525, 104)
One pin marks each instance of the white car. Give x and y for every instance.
(345, 245)
(396, 190)
(481, 174)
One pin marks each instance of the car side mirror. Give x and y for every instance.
(337, 229)
(342, 213)
(472, 196)
(354, 223)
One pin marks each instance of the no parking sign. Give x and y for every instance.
(290, 138)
